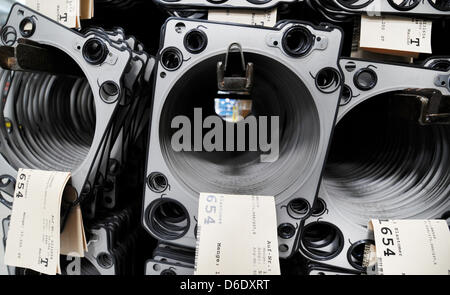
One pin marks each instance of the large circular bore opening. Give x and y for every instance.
(51, 120)
(321, 240)
(384, 165)
(95, 51)
(277, 92)
(105, 260)
(167, 219)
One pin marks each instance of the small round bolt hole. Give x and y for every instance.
(328, 80)
(319, 207)
(346, 96)
(168, 272)
(365, 79)
(167, 218)
(283, 248)
(298, 208)
(297, 41)
(105, 260)
(157, 182)
(322, 240)
(27, 27)
(86, 188)
(5, 180)
(286, 231)
(95, 51)
(355, 254)
(171, 59)
(8, 35)
(350, 66)
(195, 41)
(180, 28)
(109, 91)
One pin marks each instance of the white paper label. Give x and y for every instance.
(266, 18)
(236, 235)
(411, 247)
(34, 230)
(396, 33)
(65, 12)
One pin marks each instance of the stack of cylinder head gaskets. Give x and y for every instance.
(111, 247)
(292, 60)
(171, 260)
(358, 139)
(73, 101)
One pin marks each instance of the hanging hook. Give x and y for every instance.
(240, 84)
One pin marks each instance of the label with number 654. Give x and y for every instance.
(412, 247)
(236, 235)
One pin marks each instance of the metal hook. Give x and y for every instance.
(235, 84)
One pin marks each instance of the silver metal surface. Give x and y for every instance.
(311, 112)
